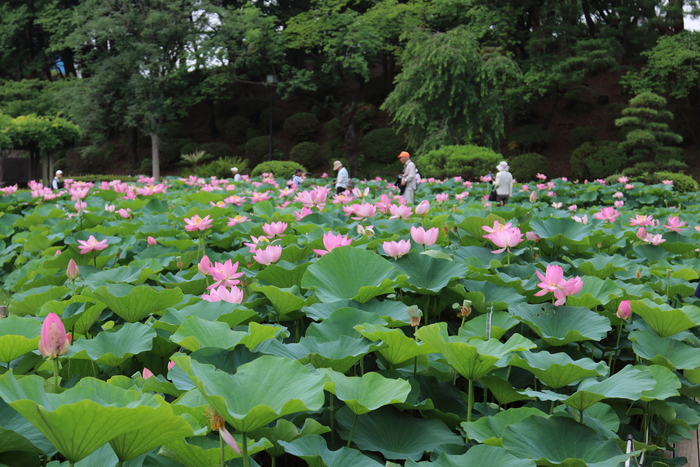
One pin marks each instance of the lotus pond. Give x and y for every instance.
(261, 324)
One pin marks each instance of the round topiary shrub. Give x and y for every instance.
(301, 126)
(381, 145)
(237, 129)
(278, 117)
(308, 154)
(593, 161)
(280, 169)
(451, 161)
(257, 149)
(681, 182)
(525, 167)
(217, 150)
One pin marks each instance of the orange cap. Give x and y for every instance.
(403, 154)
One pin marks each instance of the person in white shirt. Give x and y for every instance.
(56, 183)
(503, 183)
(408, 178)
(236, 175)
(341, 182)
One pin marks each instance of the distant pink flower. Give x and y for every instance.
(366, 231)
(607, 214)
(303, 213)
(151, 241)
(124, 213)
(204, 266)
(467, 184)
(654, 239)
(269, 255)
(618, 194)
(255, 241)
(146, 373)
(533, 196)
(641, 233)
(497, 227)
(530, 235)
(54, 341)
(236, 220)
(667, 182)
(553, 281)
(551, 185)
(525, 187)
(363, 211)
(629, 186)
(197, 223)
(397, 249)
(400, 212)
(225, 274)
(600, 180)
(235, 199)
(324, 175)
(331, 241)
(80, 206)
(458, 196)
(424, 237)
(221, 293)
(674, 224)
(72, 271)
(541, 186)
(557, 205)
(541, 176)
(77, 193)
(624, 310)
(275, 229)
(257, 197)
(622, 180)
(642, 220)
(442, 197)
(342, 198)
(150, 190)
(383, 204)
(573, 207)
(551, 194)
(86, 246)
(619, 203)
(9, 189)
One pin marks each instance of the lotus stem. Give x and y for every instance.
(221, 446)
(352, 430)
(332, 416)
(613, 354)
(244, 451)
(415, 365)
(55, 375)
(470, 400)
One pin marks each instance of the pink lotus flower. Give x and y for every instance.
(423, 208)
(618, 194)
(581, 220)
(9, 189)
(497, 227)
(553, 281)
(124, 213)
(235, 199)
(642, 220)
(331, 241)
(622, 180)
(505, 238)
(629, 186)
(269, 255)
(624, 310)
(257, 197)
(236, 220)
(667, 182)
(458, 196)
(235, 295)
(423, 237)
(362, 211)
(573, 207)
(654, 239)
(619, 203)
(541, 186)
(151, 190)
(204, 266)
(530, 235)
(54, 341)
(607, 214)
(551, 194)
(275, 229)
(557, 205)
(151, 241)
(383, 204)
(146, 373)
(86, 246)
(225, 274)
(541, 176)
(342, 198)
(229, 439)
(366, 231)
(397, 249)
(441, 197)
(197, 223)
(80, 206)
(255, 241)
(303, 213)
(674, 224)
(641, 233)
(400, 212)
(72, 271)
(77, 193)
(525, 187)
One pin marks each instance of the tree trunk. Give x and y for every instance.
(132, 137)
(213, 130)
(155, 156)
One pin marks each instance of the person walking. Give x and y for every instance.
(341, 182)
(503, 183)
(56, 183)
(408, 178)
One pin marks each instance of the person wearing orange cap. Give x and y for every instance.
(408, 178)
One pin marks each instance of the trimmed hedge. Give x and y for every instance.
(525, 167)
(592, 161)
(302, 126)
(280, 169)
(451, 161)
(308, 154)
(681, 182)
(257, 149)
(381, 145)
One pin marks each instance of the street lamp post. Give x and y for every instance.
(272, 80)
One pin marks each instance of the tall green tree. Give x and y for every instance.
(450, 92)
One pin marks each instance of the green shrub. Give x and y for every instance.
(593, 161)
(189, 148)
(381, 145)
(583, 134)
(527, 139)
(301, 126)
(334, 129)
(103, 178)
(146, 166)
(280, 169)
(220, 168)
(612, 179)
(216, 149)
(681, 182)
(466, 161)
(364, 117)
(308, 154)
(257, 149)
(237, 129)
(278, 117)
(525, 167)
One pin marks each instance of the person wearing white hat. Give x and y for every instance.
(503, 183)
(56, 183)
(236, 175)
(341, 182)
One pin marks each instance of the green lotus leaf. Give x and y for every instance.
(629, 383)
(650, 253)
(475, 358)
(672, 354)
(229, 313)
(603, 266)
(114, 348)
(427, 274)
(477, 258)
(260, 392)
(78, 315)
(314, 451)
(489, 430)
(595, 292)
(663, 319)
(561, 441)
(203, 451)
(396, 346)
(341, 323)
(559, 369)
(501, 297)
(441, 398)
(501, 322)
(395, 434)
(284, 301)
(392, 312)
(137, 274)
(339, 355)
(135, 303)
(350, 273)
(287, 431)
(562, 231)
(18, 435)
(477, 455)
(283, 274)
(29, 302)
(564, 324)
(190, 282)
(667, 383)
(473, 225)
(196, 333)
(18, 336)
(37, 241)
(366, 393)
(84, 417)
(502, 390)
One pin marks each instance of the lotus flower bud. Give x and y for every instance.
(423, 208)
(146, 373)
(533, 196)
(151, 241)
(624, 309)
(638, 273)
(72, 271)
(54, 341)
(466, 309)
(204, 266)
